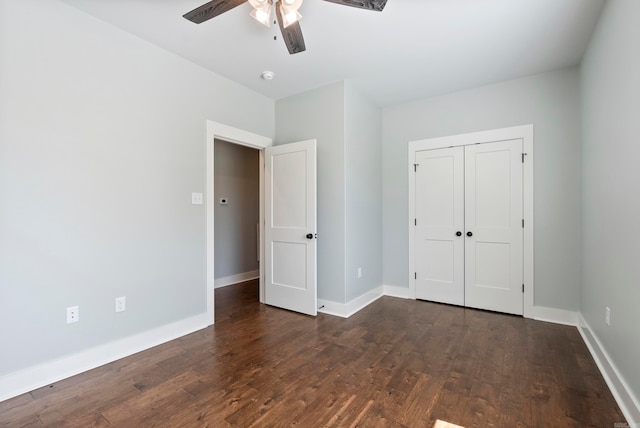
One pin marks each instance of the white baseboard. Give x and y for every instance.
(235, 279)
(556, 316)
(345, 310)
(395, 291)
(330, 307)
(627, 401)
(14, 384)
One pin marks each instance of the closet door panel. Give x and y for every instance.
(439, 252)
(493, 226)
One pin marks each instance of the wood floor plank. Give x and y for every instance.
(397, 363)
(154, 403)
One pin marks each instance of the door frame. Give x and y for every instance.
(241, 137)
(524, 132)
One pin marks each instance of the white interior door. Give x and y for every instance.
(439, 224)
(290, 229)
(493, 223)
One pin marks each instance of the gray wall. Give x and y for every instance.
(363, 154)
(319, 114)
(347, 127)
(551, 102)
(237, 178)
(610, 184)
(102, 141)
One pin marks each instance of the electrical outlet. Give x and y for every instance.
(607, 315)
(121, 304)
(359, 272)
(73, 314)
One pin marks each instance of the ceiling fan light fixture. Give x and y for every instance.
(289, 16)
(262, 14)
(292, 4)
(258, 3)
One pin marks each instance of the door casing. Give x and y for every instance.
(524, 132)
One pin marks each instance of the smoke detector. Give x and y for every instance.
(267, 75)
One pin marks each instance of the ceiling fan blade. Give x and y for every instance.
(211, 10)
(292, 35)
(363, 4)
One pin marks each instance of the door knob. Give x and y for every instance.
(458, 233)
(309, 235)
(469, 234)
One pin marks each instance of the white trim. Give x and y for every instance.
(395, 291)
(237, 136)
(261, 284)
(627, 401)
(237, 278)
(345, 310)
(244, 138)
(556, 316)
(524, 132)
(14, 384)
(330, 307)
(527, 213)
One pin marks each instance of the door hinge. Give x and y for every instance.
(523, 155)
(415, 221)
(523, 223)
(415, 275)
(523, 288)
(415, 167)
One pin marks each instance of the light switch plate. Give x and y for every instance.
(197, 198)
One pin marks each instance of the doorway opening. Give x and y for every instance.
(218, 131)
(236, 229)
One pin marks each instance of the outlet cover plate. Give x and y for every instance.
(73, 314)
(121, 304)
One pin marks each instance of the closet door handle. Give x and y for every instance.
(469, 233)
(309, 236)
(458, 233)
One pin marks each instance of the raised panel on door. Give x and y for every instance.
(439, 252)
(290, 217)
(493, 217)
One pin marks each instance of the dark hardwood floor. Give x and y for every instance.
(397, 363)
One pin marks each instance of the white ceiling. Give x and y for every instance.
(413, 49)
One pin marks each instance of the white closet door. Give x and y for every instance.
(493, 226)
(439, 252)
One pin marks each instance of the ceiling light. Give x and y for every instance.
(292, 4)
(258, 3)
(289, 8)
(289, 16)
(262, 14)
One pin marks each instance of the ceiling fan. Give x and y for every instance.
(286, 13)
